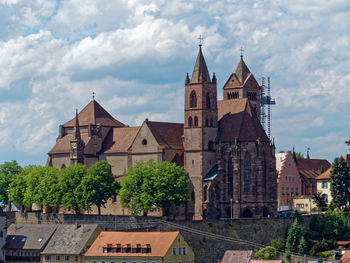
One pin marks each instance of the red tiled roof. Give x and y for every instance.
(325, 175)
(168, 135)
(309, 168)
(343, 243)
(237, 256)
(238, 120)
(63, 144)
(120, 139)
(346, 257)
(160, 243)
(94, 113)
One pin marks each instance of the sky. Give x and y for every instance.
(135, 54)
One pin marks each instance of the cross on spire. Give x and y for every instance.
(241, 49)
(200, 40)
(93, 95)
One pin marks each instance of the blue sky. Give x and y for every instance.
(135, 55)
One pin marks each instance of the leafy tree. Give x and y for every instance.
(299, 155)
(266, 253)
(98, 185)
(334, 225)
(302, 247)
(32, 192)
(18, 186)
(320, 200)
(8, 171)
(295, 233)
(49, 192)
(277, 243)
(69, 180)
(340, 182)
(148, 186)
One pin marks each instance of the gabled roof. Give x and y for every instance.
(160, 243)
(325, 175)
(120, 139)
(62, 145)
(242, 72)
(346, 257)
(68, 239)
(200, 68)
(237, 256)
(167, 134)
(94, 113)
(310, 168)
(29, 236)
(238, 121)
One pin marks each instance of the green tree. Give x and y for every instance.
(277, 243)
(295, 233)
(302, 247)
(320, 200)
(32, 193)
(69, 180)
(340, 182)
(98, 185)
(148, 186)
(299, 155)
(266, 253)
(8, 171)
(48, 190)
(334, 225)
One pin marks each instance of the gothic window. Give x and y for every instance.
(230, 175)
(208, 100)
(247, 171)
(190, 122)
(195, 121)
(205, 193)
(193, 196)
(264, 175)
(193, 99)
(217, 192)
(211, 122)
(206, 122)
(210, 146)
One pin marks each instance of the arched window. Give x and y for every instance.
(190, 122)
(217, 192)
(211, 122)
(193, 99)
(63, 166)
(205, 193)
(230, 174)
(206, 122)
(210, 146)
(247, 172)
(193, 196)
(208, 100)
(195, 121)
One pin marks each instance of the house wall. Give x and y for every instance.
(123, 259)
(175, 253)
(324, 186)
(80, 258)
(303, 203)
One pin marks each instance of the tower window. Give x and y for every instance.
(190, 122)
(210, 146)
(195, 121)
(208, 100)
(144, 142)
(205, 193)
(206, 123)
(211, 122)
(193, 99)
(247, 174)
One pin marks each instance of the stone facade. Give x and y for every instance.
(221, 145)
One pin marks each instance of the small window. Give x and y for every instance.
(144, 142)
(47, 257)
(174, 251)
(40, 239)
(58, 258)
(195, 121)
(180, 251)
(76, 258)
(189, 121)
(184, 251)
(23, 239)
(105, 250)
(114, 250)
(66, 258)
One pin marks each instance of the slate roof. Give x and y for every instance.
(94, 113)
(237, 256)
(29, 236)
(168, 135)
(160, 243)
(120, 139)
(200, 67)
(238, 120)
(62, 145)
(70, 240)
(242, 72)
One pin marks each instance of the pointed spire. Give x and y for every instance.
(76, 132)
(241, 71)
(308, 153)
(213, 80)
(187, 79)
(295, 156)
(200, 68)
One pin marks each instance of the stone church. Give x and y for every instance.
(222, 146)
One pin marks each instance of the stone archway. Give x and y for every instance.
(247, 213)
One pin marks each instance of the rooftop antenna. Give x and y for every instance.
(93, 95)
(241, 49)
(200, 40)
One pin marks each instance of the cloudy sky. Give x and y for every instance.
(135, 54)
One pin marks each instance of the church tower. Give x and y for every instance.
(200, 129)
(242, 84)
(76, 144)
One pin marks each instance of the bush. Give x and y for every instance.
(268, 252)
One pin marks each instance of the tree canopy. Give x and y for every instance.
(340, 182)
(151, 185)
(8, 171)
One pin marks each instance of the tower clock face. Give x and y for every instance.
(74, 145)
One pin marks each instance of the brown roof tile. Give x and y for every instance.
(120, 139)
(310, 168)
(238, 120)
(237, 256)
(168, 135)
(242, 71)
(94, 113)
(325, 175)
(62, 145)
(346, 257)
(160, 243)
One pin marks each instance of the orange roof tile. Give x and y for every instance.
(94, 113)
(237, 256)
(120, 139)
(238, 120)
(63, 144)
(168, 135)
(346, 257)
(325, 175)
(160, 243)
